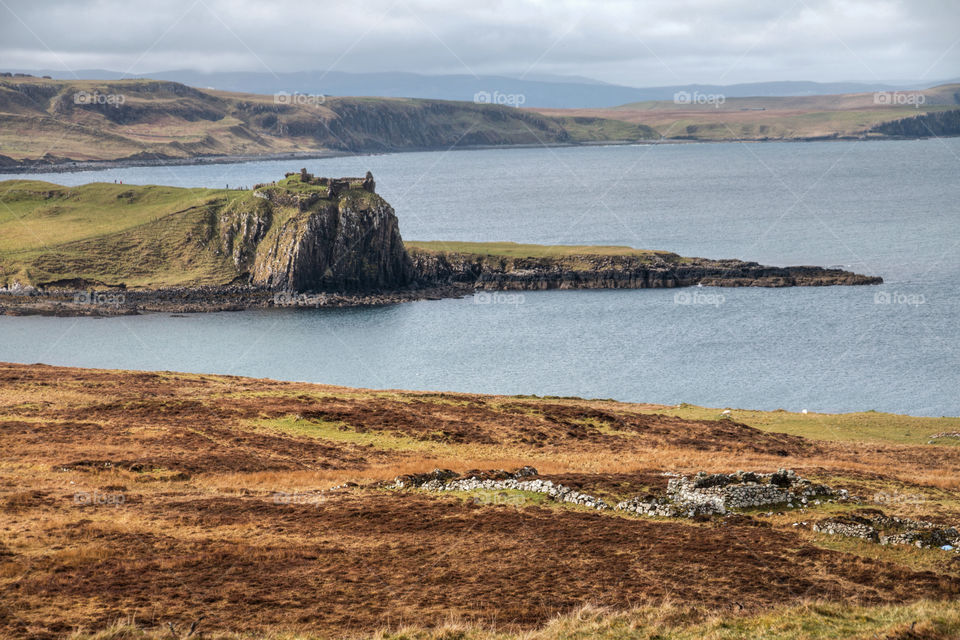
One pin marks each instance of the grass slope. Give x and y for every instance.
(160, 236)
(515, 250)
(189, 495)
(147, 236)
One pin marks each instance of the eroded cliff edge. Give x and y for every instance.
(318, 234)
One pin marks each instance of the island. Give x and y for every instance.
(303, 240)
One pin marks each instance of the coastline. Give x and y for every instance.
(78, 166)
(113, 302)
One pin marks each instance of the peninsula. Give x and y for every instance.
(120, 249)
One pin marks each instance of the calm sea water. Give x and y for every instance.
(886, 208)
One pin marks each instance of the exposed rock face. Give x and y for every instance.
(925, 125)
(617, 272)
(351, 243)
(315, 234)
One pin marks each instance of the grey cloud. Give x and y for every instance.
(638, 43)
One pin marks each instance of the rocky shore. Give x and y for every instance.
(117, 302)
(436, 277)
(650, 271)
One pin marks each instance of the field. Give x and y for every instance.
(774, 118)
(134, 500)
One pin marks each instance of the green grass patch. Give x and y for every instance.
(342, 432)
(864, 426)
(905, 555)
(515, 250)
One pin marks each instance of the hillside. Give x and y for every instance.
(132, 501)
(712, 116)
(539, 90)
(57, 122)
(301, 233)
(53, 121)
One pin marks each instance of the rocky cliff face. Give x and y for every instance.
(309, 240)
(353, 244)
(617, 272)
(926, 125)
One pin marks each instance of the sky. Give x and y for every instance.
(639, 43)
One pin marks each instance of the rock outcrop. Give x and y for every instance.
(316, 234)
(703, 495)
(649, 271)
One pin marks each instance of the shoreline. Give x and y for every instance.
(79, 166)
(107, 303)
(115, 302)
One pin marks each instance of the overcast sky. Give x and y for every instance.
(629, 42)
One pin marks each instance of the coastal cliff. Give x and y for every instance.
(343, 239)
(297, 234)
(580, 269)
(67, 125)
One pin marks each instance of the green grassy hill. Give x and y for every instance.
(160, 236)
(109, 233)
(152, 237)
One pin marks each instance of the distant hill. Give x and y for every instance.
(54, 121)
(717, 116)
(546, 91)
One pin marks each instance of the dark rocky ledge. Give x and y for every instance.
(438, 276)
(649, 271)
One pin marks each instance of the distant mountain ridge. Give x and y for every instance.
(55, 122)
(544, 91)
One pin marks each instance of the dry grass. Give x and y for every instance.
(671, 621)
(211, 495)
